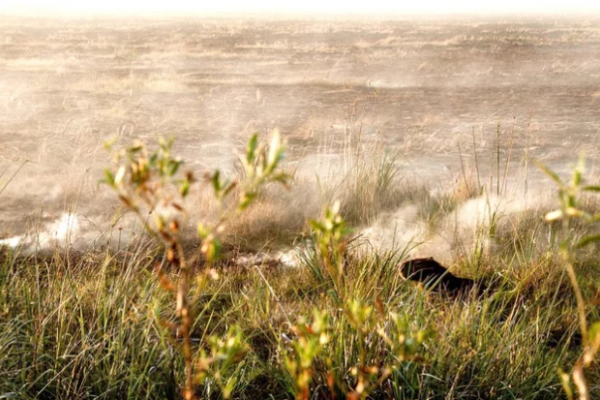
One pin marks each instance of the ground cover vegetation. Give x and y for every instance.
(169, 315)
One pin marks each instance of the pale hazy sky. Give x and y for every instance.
(378, 7)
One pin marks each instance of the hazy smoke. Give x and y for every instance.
(454, 235)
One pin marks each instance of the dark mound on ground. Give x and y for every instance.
(436, 276)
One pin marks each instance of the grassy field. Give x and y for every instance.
(99, 324)
(304, 298)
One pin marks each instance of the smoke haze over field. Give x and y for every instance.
(450, 97)
(310, 7)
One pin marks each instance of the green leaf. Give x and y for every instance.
(282, 178)
(174, 166)
(594, 331)
(110, 178)
(251, 149)
(549, 172)
(316, 226)
(594, 338)
(587, 240)
(109, 143)
(184, 188)
(153, 159)
(203, 231)
(214, 248)
(216, 182)
(166, 145)
(591, 188)
(578, 171)
(247, 199)
(577, 175)
(136, 148)
(333, 295)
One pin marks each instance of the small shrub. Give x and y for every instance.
(148, 183)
